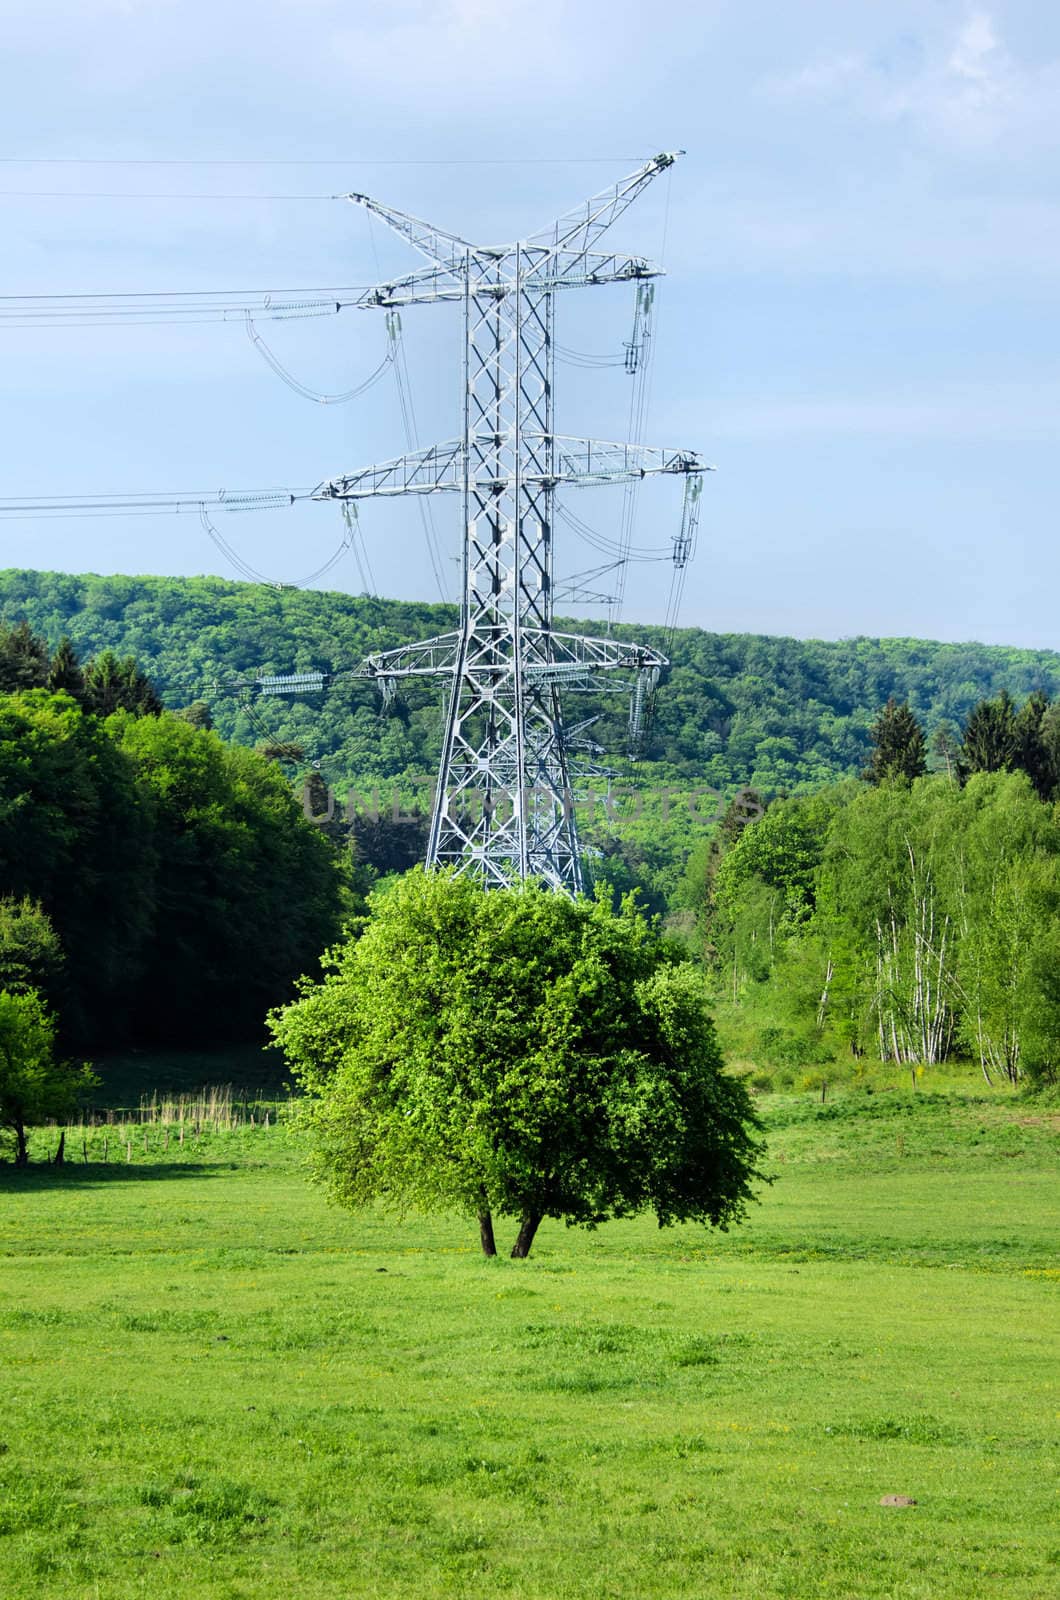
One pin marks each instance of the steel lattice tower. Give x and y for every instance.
(504, 806)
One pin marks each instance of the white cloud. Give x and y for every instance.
(965, 88)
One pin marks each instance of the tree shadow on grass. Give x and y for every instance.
(79, 1175)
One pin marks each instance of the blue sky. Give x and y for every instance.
(859, 324)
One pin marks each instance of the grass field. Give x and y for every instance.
(214, 1385)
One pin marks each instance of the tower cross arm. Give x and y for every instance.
(444, 466)
(413, 289)
(440, 466)
(580, 228)
(441, 248)
(432, 656)
(540, 271)
(571, 269)
(600, 461)
(550, 658)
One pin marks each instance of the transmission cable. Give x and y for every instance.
(408, 421)
(584, 359)
(178, 307)
(637, 419)
(408, 418)
(139, 505)
(609, 546)
(254, 576)
(310, 394)
(331, 161)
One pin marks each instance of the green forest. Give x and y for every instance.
(780, 715)
(875, 876)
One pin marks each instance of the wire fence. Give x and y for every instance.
(160, 1125)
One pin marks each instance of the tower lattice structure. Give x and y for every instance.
(504, 806)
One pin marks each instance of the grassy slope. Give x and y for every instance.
(216, 1386)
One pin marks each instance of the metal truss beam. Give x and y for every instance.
(566, 269)
(551, 657)
(549, 461)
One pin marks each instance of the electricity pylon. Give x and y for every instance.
(504, 806)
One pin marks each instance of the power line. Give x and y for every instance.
(331, 161)
(247, 571)
(164, 503)
(120, 194)
(174, 294)
(292, 382)
(187, 307)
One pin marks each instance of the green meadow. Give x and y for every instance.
(215, 1385)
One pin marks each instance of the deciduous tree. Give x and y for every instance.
(516, 1052)
(31, 956)
(34, 1086)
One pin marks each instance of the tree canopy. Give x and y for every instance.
(911, 922)
(178, 873)
(736, 709)
(519, 1053)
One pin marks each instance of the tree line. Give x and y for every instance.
(156, 882)
(909, 916)
(780, 714)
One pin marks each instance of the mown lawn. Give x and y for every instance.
(214, 1385)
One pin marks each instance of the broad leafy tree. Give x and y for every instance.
(75, 838)
(1040, 1009)
(35, 1086)
(248, 891)
(198, 714)
(185, 885)
(514, 1052)
(31, 955)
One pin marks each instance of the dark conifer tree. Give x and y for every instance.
(1049, 734)
(898, 749)
(65, 671)
(991, 738)
(23, 658)
(1031, 754)
(116, 683)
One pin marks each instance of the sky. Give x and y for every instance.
(858, 327)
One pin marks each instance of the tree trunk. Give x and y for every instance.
(822, 1004)
(527, 1228)
(21, 1153)
(485, 1233)
(60, 1155)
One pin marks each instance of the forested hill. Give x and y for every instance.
(782, 714)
